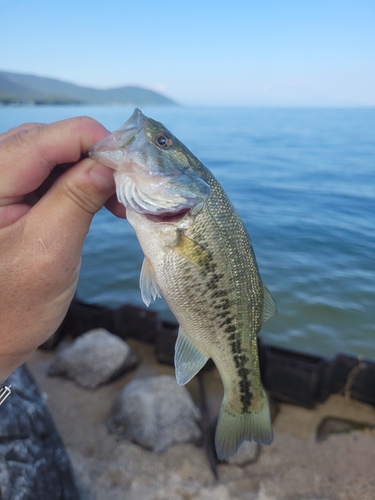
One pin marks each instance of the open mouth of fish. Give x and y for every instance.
(167, 216)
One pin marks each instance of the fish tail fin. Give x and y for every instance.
(234, 428)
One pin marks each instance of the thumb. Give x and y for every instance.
(65, 212)
(83, 190)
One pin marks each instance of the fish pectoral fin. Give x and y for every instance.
(269, 305)
(188, 360)
(147, 283)
(192, 251)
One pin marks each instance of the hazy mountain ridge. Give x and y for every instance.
(18, 88)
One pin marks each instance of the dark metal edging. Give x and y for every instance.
(288, 375)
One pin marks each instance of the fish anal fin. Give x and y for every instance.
(235, 427)
(192, 251)
(188, 360)
(269, 305)
(147, 283)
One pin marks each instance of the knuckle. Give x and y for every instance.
(79, 196)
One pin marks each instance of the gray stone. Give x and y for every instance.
(247, 453)
(33, 460)
(95, 358)
(155, 412)
(133, 473)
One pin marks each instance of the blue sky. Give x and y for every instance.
(200, 52)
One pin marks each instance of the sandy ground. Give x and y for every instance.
(294, 467)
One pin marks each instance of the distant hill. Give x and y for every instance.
(17, 88)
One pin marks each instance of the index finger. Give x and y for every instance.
(18, 128)
(29, 155)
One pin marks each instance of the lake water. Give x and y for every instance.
(303, 180)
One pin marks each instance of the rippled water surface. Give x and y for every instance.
(304, 183)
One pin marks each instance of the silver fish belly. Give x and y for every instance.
(199, 256)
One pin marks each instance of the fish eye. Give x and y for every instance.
(163, 140)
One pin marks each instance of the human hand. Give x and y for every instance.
(48, 197)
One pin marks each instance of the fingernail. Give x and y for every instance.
(102, 176)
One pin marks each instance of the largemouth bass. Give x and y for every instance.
(199, 256)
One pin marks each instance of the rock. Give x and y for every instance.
(335, 425)
(155, 412)
(95, 358)
(33, 460)
(247, 453)
(137, 474)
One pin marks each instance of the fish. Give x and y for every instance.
(197, 255)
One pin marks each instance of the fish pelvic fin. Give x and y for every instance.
(234, 428)
(188, 360)
(147, 283)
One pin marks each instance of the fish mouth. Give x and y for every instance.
(111, 151)
(166, 217)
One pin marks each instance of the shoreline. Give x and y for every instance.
(296, 465)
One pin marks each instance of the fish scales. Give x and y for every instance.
(199, 256)
(235, 319)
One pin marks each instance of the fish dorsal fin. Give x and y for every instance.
(269, 305)
(192, 251)
(188, 360)
(147, 283)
